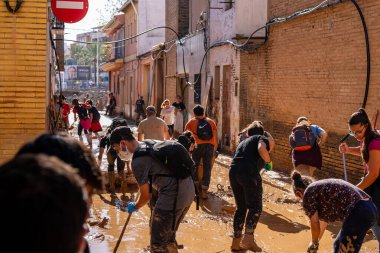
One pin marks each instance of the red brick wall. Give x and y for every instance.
(314, 66)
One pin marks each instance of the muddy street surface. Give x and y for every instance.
(283, 227)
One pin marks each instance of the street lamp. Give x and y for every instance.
(97, 58)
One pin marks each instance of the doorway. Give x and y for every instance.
(226, 105)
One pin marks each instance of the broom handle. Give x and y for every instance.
(122, 233)
(374, 125)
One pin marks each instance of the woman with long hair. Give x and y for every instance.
(167, 114)
(369, 150)
(331, 200)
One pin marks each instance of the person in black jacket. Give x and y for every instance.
(112, 105)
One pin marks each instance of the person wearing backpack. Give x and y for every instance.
(95, 118)
(246, 184)
(84, 120)
(159, 165)
(369, 150)
(206, 138)
(306, 141)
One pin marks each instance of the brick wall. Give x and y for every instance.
(22, 75)
(314, 66)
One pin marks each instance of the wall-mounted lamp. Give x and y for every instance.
(58, 27)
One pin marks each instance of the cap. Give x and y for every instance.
(151, 108)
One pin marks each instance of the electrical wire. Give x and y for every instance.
(242, 46)
(368, 52)
(59, 79)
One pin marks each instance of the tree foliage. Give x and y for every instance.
(111, 8)
(86, 54)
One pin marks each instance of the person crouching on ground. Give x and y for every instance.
(331, 200)
(246, 184)
(174, 195)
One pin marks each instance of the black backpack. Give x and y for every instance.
(174, 156)
(171, 154)
(204, 130)
(82, 112)
(95, 114)
(116, 122)
(302, 138)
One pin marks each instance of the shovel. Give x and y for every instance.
(344, 157)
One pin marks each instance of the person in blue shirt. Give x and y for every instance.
(307, 161)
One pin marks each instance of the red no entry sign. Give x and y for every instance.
(69, 11)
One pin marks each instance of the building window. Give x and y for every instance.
(236, 89)
(197, 88)
(217, 82)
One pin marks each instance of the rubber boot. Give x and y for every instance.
(236, 244)
(80, 138)
(123, 186)
(172, 248)
(111, 179)
(248, 243)
(204, 193)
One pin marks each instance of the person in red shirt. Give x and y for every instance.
(94, 117)
(206, 138)
(65, 111)
(81, 109)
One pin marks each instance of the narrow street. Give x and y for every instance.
(283, 227)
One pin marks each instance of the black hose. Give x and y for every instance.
(368, 53)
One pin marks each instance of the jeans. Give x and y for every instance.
(204, 152)
(248, 192)
(362, 217)
(163, 235)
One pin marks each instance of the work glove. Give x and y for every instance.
(268, 166)
(132, 208)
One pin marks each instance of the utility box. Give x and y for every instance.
(249, 16)
(237, 19)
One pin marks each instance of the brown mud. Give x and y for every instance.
(283, 227)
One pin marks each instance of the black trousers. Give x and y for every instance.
(248, 192)
(204, 152)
